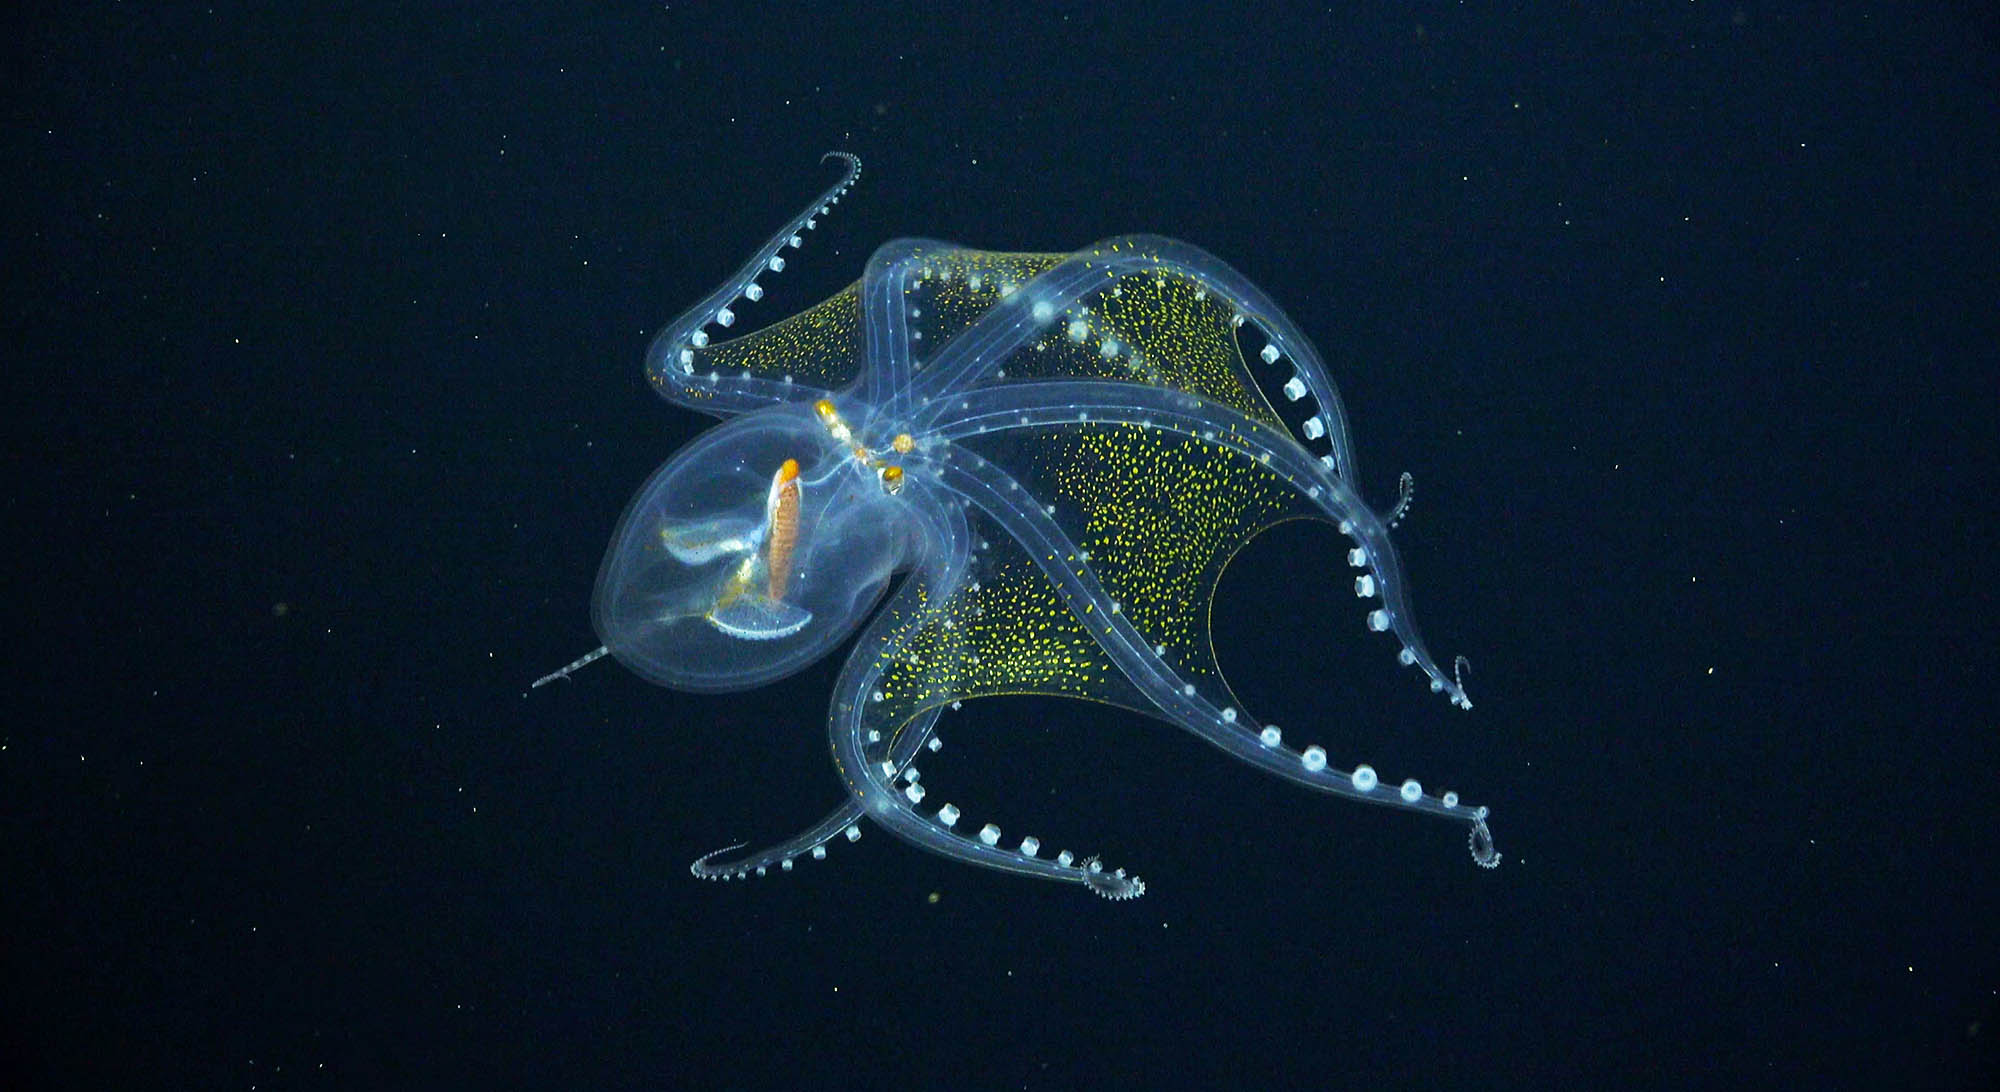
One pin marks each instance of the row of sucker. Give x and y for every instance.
(690, 331)
(784, 854)
(703, 869)
(1113, 884)
(1365, 782)
(1314, 428)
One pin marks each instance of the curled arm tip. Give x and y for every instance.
(1481, 842)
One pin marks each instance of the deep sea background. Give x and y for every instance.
(324, 326)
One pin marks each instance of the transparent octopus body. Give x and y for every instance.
(1050, 457)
